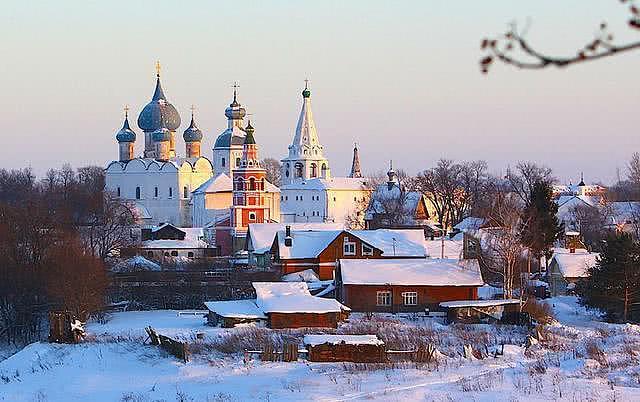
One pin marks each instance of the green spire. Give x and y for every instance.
(249, 130)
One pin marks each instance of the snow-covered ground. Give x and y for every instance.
(579, 358)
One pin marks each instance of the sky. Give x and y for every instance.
(400, 78)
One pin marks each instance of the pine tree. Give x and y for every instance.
(613, 284)
(540, 226)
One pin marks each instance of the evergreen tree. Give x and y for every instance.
(540, 226)
(613, 284)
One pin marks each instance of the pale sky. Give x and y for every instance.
(399, 77)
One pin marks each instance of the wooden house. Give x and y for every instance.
(299, 250)
(567, 267)
(405, 285)
(345, 348)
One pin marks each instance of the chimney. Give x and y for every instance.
(288, 241)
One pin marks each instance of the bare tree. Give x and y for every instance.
(634, 170)
(109, 231)
(514, 49)
(274, 170)
(525, 177)
(501, 252)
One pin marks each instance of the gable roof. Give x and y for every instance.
(292, 297)
(260, 236)
(411, 272)
(391, 242)
(574, 265)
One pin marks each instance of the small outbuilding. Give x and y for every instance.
(483, 311)
(567, 267)
(345, 348)
(281, 305)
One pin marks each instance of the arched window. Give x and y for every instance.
(324, 170)
(298, 167)
(252, 216)
(240, 184)
(150, 254)
(223, 162)
(252, 184)
(185, 192)
(155, 192)
(314, 170)
(170, 192)
(174, 253)
(118, 191)
(137, 193)
(190, 254)
(262, 186)
(237, 162)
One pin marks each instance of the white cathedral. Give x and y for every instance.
(195, 191)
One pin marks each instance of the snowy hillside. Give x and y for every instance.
(578, 359)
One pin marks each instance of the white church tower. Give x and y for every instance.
(306, 158)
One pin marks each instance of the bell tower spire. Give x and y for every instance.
(355, 163)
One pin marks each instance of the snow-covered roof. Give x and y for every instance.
(192, 239)
(308, 275)
(470, 223)
(235, 308)
(416, 272)
(261, 235)
(314, 340)
(334, 183)
(384, 194)
(136, 263)
(305, 243)
(623, 212)
(452, 248)
(292, 297)
(574, 265)
(479, 303)
(394, 242)
(569, 201)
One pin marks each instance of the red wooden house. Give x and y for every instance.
(405, 285)
(295, 251)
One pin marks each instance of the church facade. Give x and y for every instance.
(159, 183)
(309, 193)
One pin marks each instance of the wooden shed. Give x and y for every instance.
(345, 348)
(483, 311)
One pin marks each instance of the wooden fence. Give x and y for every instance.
(176, 348)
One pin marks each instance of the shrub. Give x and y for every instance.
(540, 311)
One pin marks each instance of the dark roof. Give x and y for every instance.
(159, 112)
(249, 138)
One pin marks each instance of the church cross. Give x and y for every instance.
(158, 68)
(306, 83)
(126, 111)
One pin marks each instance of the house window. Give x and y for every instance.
(185, 192)
(150, 254)
(190, 254)
(170, 192)
(155, 192)
(137, 193)
(223, 162)
(349, 247)
(367, 250)
(410, 298)
(383, 298)
(252, 216)
(174, 253)
(118, 191)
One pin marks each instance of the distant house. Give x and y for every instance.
(260, 238)
(168, 243)
(280, 305)
(295, 251)
(394, 207)
(567, 267)
(405, 285)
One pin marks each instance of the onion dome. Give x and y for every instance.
(159, 112)
(306, 92)
(126, 134)
(249, 137)
(235, 111)
(193, 133)
(161, 134)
